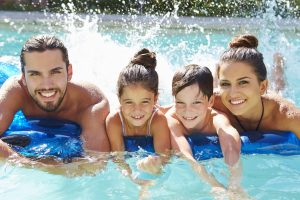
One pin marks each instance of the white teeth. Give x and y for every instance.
(137, 117)
(189, 118)
(47, 93)
(236, 102)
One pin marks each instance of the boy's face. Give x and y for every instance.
(46, 77)
(191, 107)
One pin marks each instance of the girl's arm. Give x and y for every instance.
(115, 136)
(162, 145)
(114, 132)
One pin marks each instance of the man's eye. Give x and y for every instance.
(243, 82)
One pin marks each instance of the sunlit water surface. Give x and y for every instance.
(99, 47)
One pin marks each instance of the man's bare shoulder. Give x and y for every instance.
(86, 93)
(12, 86)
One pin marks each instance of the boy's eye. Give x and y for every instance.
(197, 102)
(179, 102)
(145, 102)
(128, 102)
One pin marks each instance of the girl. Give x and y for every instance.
(242, 87)
(138, 92)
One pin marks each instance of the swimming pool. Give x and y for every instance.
(99, 50)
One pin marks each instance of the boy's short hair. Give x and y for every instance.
(190, 75)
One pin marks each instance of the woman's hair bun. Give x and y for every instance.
(248, 41)
(145, 57)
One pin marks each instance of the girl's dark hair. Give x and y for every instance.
(190, 75)
(244, 49)
(42, 43)
(140, 70)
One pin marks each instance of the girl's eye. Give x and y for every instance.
(145, 102)
(179, 102)
(224, 84)
(128, 102)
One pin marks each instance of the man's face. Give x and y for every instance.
(46, 78)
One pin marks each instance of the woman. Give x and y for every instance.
(242, 91)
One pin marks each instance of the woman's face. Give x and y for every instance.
(239, 88)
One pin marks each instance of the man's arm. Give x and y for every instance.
(11, 96)
(93, 127)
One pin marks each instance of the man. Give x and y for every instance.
(44, 89)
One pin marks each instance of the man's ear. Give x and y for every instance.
(23, 79)
(211, 101)
(70, 72)
(263, 86)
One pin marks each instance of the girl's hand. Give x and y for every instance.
(150, 164)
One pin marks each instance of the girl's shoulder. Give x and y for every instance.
(158, 117)
(113, 118)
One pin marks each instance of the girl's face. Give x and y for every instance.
(137, 104)
(239, 88)
(191, 106)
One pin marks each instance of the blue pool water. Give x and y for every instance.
(99, 48)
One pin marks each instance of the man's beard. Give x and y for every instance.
(50, 106)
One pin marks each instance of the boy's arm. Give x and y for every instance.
(229, 139)
(180, 143)
(93, 127)
(178, 140)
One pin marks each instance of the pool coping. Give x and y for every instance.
(169, 21)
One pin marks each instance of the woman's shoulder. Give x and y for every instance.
(278, 104)
(280, 112)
